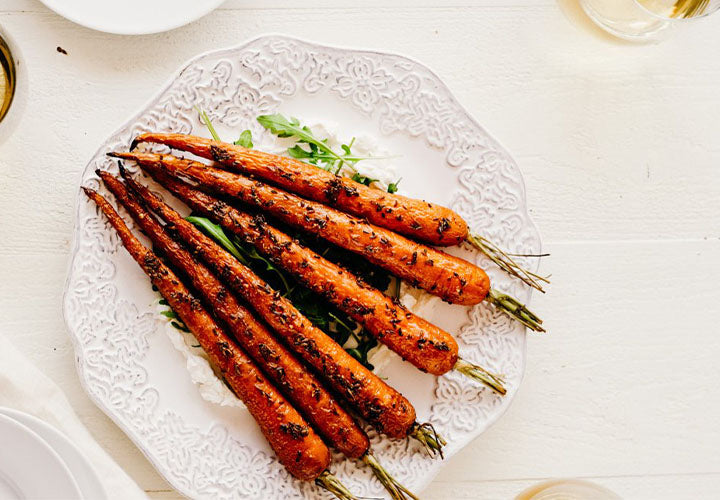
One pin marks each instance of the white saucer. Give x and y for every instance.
(29, 468)
(83, 473)
(132, 17)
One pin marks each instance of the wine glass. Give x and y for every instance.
(12, 78)
(645, 20)
(567, 489)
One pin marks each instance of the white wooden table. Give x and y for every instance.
(620, 147)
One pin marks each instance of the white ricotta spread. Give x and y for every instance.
(211, 386)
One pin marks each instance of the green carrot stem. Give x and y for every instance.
(328, 481)
(505, 262)
(396, 490)
(515, 309)
(479, 373)
(429, 438)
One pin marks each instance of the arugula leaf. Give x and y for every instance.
(393, 186)
(363, 179)
(175, 320)
(169, 314)
(245, 139)
(252, 253)
(242, 252)
(284, 127)
(217, 233)
(361, 352)
(319, 150)
(297, 152)
(180, 326)
(310, 149)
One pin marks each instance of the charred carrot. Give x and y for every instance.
(453, 279)
(414, 218)
(296, 444)
(428, 222)
(416, 340)
(449, 277)
(306, 392)
(377, 402)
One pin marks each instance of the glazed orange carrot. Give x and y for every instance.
(299, 385)
(423, 344)
(306, 392)
(451, 278)
(417, 219)
(296, 444)
(377, 402)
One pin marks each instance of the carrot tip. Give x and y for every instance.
(121, 155)
(126, 175)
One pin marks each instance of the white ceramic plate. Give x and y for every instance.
(29, 468)
(81, 470)
(132, 17)
(128, 365)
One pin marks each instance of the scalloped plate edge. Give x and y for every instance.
(97, 400)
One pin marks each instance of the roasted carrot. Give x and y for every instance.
(451, 278)
(418, 219)
(416, 340)
(377, 402)
(305, 391)
(296, 444)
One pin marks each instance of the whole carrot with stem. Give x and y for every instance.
(297, 383)
(405, 215)
(451, 278)
(416, 340)
(377, 402)
(417, 219)
(295, 443)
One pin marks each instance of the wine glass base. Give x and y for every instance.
(627, 20)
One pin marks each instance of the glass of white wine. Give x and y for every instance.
(11, 78)
(645, 20)
(567, 489)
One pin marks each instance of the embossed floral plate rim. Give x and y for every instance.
(528, 226)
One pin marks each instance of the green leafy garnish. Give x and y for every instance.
(175, 320)
(216, 233)
(393, 186)
(245, 139)
(180, 326)
(253, 256)
(363, 179)
(310, 149)
(318, 152)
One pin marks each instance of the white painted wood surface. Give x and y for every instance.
(620, 149)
